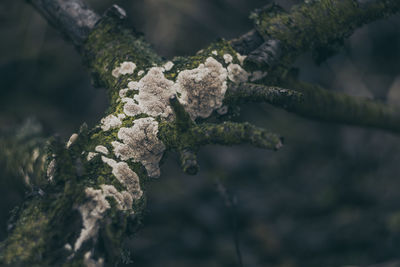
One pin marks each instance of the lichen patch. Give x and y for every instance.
(202, 89)
(153, 97)
(96, 206)
(228, 58)
(110, 122)
(51, 170)
(91, 155)
(124, 198)
(125, 176)
(241, 58)
(72, 140)
(101, 149)
(141, 144)
(237, 74)
(88, 261)
(125, 68)
(92, 211)
(168, 66)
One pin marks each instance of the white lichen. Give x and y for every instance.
(141, 144)
(125, 176)
(95, 207)
(125, 68)
(241, 58)
(110, 122)
(202, 89)
(140, 73)
(101, 149)
(237, 74)
(91, 155)
(72, 139)
(228, 58)
(51, 170)
(68, 247)
(35, 154)
(92, 211)
(214, 52)
(123, 92)
(88, 261)
(153, 97)
(124, 198)
(168, 66)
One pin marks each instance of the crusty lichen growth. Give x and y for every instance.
(103, 172)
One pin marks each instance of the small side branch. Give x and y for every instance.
(249, 92)
(231, 133)
(71, 17)
(315, 102)
(182, 118)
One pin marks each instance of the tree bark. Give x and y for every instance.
(93, 188)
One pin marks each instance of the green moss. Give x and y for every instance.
(319, 26)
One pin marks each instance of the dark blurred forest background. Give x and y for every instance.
(330, 197)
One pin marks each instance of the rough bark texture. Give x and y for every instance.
(73, 18)
(93, 188)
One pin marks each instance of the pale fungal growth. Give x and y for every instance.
(95, 207)
(35, 154)
(214, 52)
(101, 149)
(126, 177)
(91, 155)
(153, 97)
(51, 170)
(72, 139)
(228, 58)
(258, 75)
(124, 199)
(237, 74)
(202, 89)
(89, 262)
(168, 66)
(110, 122)
(122, 92)
(68, 247)
(125, 68)
(140, 73)
(92, 211)
(141, 144)
(241, 58)
(131, 85)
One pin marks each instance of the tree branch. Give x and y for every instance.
(314, 102)
(96, 184)
(320, 26)
(71, 17)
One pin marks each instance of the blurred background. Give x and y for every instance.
(330, 197)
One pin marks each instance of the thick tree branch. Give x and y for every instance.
(96, 184)
(320, 26)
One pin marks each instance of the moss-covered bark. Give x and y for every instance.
(318, 25)
(93, 188)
